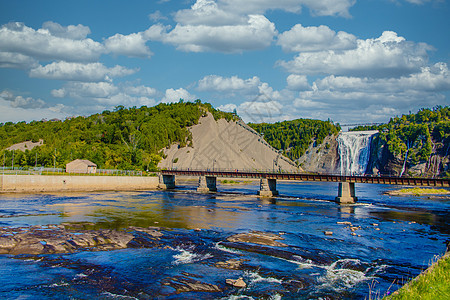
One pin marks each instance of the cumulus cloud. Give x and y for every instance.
(39, 44)
(133, 45)
(141, 90)
(349, 99)
(257, 33)
(91, 72)
(107, 94)
(434, 78)
(300, 39)
(16, 61)
(173, 95)
(208, 12)
(261, 110)
(86, 90)
(297, 82)
(317, 7)
(157, 16)
(78, 32)
(228, 84)
(386, 56)
(230, 107)
(21, 102)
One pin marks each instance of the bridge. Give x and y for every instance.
(268, 186)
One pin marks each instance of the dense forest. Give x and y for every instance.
(416, 136)
(294, 137)
(126, 138)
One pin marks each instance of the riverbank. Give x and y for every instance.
(433, 283)
(67, 183)
(417, 191)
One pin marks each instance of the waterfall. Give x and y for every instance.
(354, 151)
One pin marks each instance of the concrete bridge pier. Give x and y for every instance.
(207, 184)
(346, 193)
(267, 187)
(166, 182)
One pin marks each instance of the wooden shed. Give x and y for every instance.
(83, 166)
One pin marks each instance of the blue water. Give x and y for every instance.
(410, 232)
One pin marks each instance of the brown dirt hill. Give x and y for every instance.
(225, 145)
(27, 145)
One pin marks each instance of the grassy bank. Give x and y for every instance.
(416, 191)
(434, 283)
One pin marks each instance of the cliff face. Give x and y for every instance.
(385, 162)
(225, 145)
(322, 158)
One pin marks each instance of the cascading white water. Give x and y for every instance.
(354, 151)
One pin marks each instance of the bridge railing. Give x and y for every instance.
(281, 171)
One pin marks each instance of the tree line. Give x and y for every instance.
(125, 138)
(294, 137)
(415, 137)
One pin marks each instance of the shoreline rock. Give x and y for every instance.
(51, 239)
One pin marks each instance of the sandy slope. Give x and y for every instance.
(224, 145)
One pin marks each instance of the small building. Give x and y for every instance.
(83, 166)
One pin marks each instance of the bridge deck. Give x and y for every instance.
(314, 177)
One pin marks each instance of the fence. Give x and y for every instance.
(61, 171)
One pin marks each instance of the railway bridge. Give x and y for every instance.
(268, 181)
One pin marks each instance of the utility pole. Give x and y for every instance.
(12, 161)
(54, 161)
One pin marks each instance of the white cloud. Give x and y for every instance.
(257, 33)
(386, 56)
(129, 45)
(300, 39)
(16, 61)
(157, 16)
(297, 82)
(227, 107)
(91, 72)
(317, 7)
(42, 44)
(230, 84)
(21, 102)
(17, 114)
(434, 78)
(173, 95)
(78, 32)
(86, 90)
(261, 110)
(354, 99)
(207, 12)
(418, 2)
(127, 100)
(141, 91)
(107, 94)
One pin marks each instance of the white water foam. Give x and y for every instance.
(115, 296)
(338, 277)
(187, 256)
(354, 151)
(218, 246)
(255, 277)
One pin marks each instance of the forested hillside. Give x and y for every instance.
(417, 137)
(294, 137)
(120, 139)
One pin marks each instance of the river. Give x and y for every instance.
(393, 239)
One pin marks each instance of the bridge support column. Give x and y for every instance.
(346, 193)
(207, 184)
(166, 182)
(267, 187)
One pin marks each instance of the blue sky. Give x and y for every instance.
(351, 61)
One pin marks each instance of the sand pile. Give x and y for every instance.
(225, 145)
